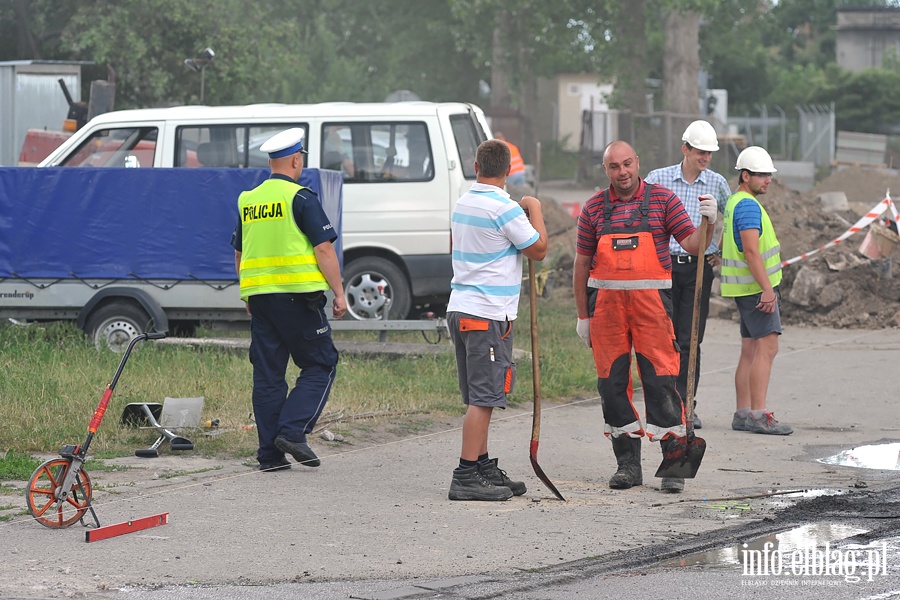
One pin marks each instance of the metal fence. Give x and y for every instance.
(805, 134)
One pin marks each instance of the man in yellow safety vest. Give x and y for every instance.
(751, 272)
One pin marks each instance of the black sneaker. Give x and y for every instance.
(279, 465)
(498, 476)
(301, 451)
(469, 484)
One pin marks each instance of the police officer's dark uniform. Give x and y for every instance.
(279, 225)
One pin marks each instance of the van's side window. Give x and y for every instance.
(121, 147)
(466, 142)
(225, 145)
(378, 152)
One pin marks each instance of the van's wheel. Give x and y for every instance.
(370, 282)
(113, 325)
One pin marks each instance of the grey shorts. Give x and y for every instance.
(484, 363)
(756, 324)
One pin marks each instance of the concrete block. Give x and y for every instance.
(833, 201)
(795, 175)
(807, 286)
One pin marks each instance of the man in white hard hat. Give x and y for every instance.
(286, 261)
(751, 273)
(691, 180)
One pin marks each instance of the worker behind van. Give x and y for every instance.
(333, 155)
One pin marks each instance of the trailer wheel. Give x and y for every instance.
(370, 282)
(113, 325)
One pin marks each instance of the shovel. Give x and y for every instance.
(535, 364)
(682, 456)
(536, 382)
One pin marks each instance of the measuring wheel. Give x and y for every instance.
(46, 501)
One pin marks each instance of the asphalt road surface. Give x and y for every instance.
(375, 522)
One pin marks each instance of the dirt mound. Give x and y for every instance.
(838, 287)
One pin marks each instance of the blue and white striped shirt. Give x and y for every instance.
(489, 230)
(708, 182)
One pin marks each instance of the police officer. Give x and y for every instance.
(286, 261)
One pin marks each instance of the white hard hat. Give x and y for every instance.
(756, 159)
(702, 136)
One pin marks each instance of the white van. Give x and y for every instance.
(404, 165)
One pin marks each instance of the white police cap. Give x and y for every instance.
(284, 143)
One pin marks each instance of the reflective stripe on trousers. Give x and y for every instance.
(637, 318)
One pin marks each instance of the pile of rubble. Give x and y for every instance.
(838, 287)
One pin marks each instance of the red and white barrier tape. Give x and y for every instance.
(875, 212)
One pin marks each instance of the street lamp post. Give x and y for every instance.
(198, 65)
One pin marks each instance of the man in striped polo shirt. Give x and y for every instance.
(690, 180)
(490, 233)
(623, 252)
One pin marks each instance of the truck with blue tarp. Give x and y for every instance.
(124, 251)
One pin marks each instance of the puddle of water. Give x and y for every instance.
(813, 493)
(788, 499)
(876, 456)
(813, 535)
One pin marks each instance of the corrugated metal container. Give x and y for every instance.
(30, 98)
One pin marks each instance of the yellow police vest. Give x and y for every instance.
(737, 280)
(276, 257)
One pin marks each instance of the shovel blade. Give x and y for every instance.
(540, 472)
(682, 458)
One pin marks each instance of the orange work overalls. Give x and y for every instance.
(633, 310)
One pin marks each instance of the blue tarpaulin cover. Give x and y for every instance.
(127, 223)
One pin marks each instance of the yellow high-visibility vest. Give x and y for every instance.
(276, 257)
(737, 280)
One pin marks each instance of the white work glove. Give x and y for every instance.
(583, 329)
(709, 207)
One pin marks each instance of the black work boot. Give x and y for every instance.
(628, 459)
(469, 484)
(498, 476)
(673, 485)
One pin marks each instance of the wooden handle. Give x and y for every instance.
(535, 358)
(695, 324)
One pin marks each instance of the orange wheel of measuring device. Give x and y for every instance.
(42, 491)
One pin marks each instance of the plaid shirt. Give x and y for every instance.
(708, 182)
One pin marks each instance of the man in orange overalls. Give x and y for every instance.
(623, 253)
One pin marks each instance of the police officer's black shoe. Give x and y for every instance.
(301, 451)
(279, 465)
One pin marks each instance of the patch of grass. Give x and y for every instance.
(53, 379)
(17, 466)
